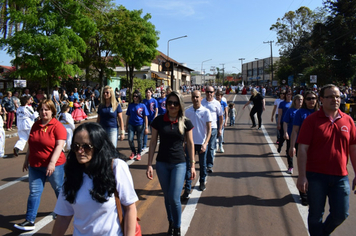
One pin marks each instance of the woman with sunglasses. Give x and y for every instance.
(110, 115)
(310, 104)
(173, 128)
(136, 122)
(93, 174)
(44, 159)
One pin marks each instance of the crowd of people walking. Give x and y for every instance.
(92, 175)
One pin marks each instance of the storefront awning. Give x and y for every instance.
(158, 75)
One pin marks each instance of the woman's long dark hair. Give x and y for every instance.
(99, 169)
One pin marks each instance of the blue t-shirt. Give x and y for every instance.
(223, 106)
(136, 111)
(284, 106)
(288, 118)
(301, 115)
(108, 117)
(76, 95)
(151, 107)
(161, 105)
(71, 98)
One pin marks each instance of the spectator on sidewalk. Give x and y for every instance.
(10, 109)
(326, 140)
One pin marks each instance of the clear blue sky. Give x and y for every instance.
(223, 31)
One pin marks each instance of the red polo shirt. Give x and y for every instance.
(42, 141)
(328, 142)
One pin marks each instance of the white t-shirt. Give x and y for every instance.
(199, 118)
(277, 102)
(224, 99)
(92, 217)
(123, 92)
(215, 110)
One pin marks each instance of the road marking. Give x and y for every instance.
(2, 187)
(303, 210)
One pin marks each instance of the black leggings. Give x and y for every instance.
(259, 111)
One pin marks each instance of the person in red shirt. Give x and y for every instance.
(326, 139)
(44, 159)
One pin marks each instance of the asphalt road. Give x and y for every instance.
(249, 192)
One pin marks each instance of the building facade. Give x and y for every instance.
(259, 72)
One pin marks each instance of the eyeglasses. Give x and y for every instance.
(86, 147)
(170, 103)
(107, 92)
(209, 91)
(135, 96)
(310, 98)
(195, 96)
(332, 97)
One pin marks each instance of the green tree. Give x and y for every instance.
(136, 41)
(335, 39)
(50, 39)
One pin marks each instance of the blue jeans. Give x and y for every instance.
(139, 134)
(337, 189)
(37, 179)
(171, 177)
(211, 148)
(112, 133)
(232, 120)
(202, 167)
(221, 137)
(144, 145)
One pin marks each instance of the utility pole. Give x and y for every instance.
(270, 43)
(242, 59)
(223, 69)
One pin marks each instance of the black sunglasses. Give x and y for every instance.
(86, 147)
(170, 103)
(135, 96)
(310, 98)
(209, 91)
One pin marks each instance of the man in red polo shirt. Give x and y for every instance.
(326, 139)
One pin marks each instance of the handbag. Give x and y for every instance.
(121, 216)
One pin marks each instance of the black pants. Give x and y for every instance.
(259, 111)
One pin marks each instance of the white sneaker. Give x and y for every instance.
(222, 150)
(290, 171)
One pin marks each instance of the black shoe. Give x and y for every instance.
(279, 149)
(16, 152)
(202, 186)
(185, 196)
(304, 200)
(253, 126)
(176, 232)
(26, 225)
(209, 170)
(170, 229)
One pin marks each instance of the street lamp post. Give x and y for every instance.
(202, 68)
(242, 59)
(167, 63)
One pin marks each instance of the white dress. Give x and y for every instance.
(25, 116)
(67, 120)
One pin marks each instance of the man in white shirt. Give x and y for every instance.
(216, 111)
(201, 119)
